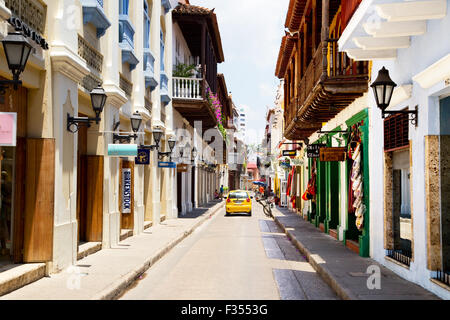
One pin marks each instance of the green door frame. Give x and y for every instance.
(364, 238)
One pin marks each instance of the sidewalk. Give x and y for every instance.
(105, 274)
(341, 268)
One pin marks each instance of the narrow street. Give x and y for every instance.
(236, 257)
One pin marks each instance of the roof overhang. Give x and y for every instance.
(378, 28)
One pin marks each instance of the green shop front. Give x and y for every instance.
(338, 184)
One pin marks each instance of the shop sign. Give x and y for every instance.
(122, 150)
(143, 157)
(8, 129)
(313, 150)
(333, 154)
(126, 190)
(182, 167)
(289, 153)
(170, 165)
(28, 32)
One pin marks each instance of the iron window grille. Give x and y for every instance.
(402, 256)
(443, 276)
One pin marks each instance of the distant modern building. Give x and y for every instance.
(242, 123)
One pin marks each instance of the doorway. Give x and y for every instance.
(12, 176)
(179, 190)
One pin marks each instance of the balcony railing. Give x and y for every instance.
(126, 85)
(187, 88)
(340, 72)
(32, 12)
(93, 58)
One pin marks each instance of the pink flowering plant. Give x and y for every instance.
(216, 106)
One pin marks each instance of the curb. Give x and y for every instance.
(323, 271)
(120, 285)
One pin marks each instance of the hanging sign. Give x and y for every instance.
(143, 157)
(182, 167)
(126, 190)
(28, 32)
(8, 129)
(122, 150)
(170, 165)
(333, 154)
(313, 150)
(289, 153)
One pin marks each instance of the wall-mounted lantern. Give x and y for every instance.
(171, 144)
(193, 155)
(157, 135)
(98, 100)
(136, 121)
(17, 51)
(383, 88)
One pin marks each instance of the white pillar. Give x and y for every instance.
(67, 70)
(155, 172)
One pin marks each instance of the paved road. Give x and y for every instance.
(232, 258)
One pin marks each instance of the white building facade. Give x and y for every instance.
(408, 180)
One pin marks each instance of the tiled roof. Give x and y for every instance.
(192, 10)
(287, 44)
(295, 14)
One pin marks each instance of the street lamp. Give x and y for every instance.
(171, 144)
(17, 51)
(157, 134)
(136, 121)
(193, 154)
(98, 100)
(383, 88)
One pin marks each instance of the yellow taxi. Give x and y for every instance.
(238, 201)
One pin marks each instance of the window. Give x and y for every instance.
(123, 7)
(146, 26)
(162, 50)
(402, 203)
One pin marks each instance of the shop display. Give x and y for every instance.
(356, 177)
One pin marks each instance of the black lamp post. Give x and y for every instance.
(136, 121)
(17, 51)
(98, 100)
(193, 155)
(383, 88)
(157, 134)
(171, 144)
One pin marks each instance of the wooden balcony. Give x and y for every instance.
(189, 99)
(324, 90)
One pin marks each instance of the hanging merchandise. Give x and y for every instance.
(356, 192)
(311, 188)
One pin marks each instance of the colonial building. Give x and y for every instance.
(409, 227)
(69, 189)
(200, 101)
(326, 106)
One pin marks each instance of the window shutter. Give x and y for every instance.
(396, 129)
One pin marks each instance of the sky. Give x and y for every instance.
(251, 32)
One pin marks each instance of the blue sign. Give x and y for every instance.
(143, 157)
(122, 150)
(171, 165)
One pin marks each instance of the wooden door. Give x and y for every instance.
(127, 219)
(19, 199)
(81, 183)
(94, 198)
(39, 205)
